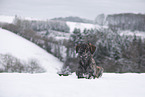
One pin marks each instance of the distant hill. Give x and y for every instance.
(127, 21)
(74, 19)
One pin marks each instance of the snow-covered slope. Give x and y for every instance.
(25, 50)
(46, 85)
(81, 26)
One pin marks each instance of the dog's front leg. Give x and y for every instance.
(89, 73)
(80, 71)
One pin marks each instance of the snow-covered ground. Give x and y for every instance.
(137, 33)
(9, 19)
(52, 85)
(24, 50)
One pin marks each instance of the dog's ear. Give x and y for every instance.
(92, 48)
(77, 48)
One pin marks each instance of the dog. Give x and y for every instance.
(87, 67)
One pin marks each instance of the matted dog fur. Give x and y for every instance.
(87, 67)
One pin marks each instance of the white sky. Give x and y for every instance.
(47, 9)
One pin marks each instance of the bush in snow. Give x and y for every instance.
(64, 71)
(9, 63)
(34, 67)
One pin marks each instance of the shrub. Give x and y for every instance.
(9, 63)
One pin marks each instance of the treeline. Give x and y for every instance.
(74, 19)
(123, 21)
(38, 25)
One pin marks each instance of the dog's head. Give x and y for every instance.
(83, 49)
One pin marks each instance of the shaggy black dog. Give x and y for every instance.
(87, 67)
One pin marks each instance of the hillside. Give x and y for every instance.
(25, 51)
(126, 21)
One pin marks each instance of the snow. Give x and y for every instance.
(131, 33)
(24, 50)
(52, 85)
(59, 35)
(6, 19)
(81, 26)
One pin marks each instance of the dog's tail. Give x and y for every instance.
(100, 72)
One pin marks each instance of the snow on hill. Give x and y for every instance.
(137, 33)
(81, 26)
(23, 49)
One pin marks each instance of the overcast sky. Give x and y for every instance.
(47, 9)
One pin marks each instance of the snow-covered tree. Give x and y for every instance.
(100, 19)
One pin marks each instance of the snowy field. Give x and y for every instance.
(52, 85)
(81, 26)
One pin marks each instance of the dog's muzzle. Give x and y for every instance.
(83, 55)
